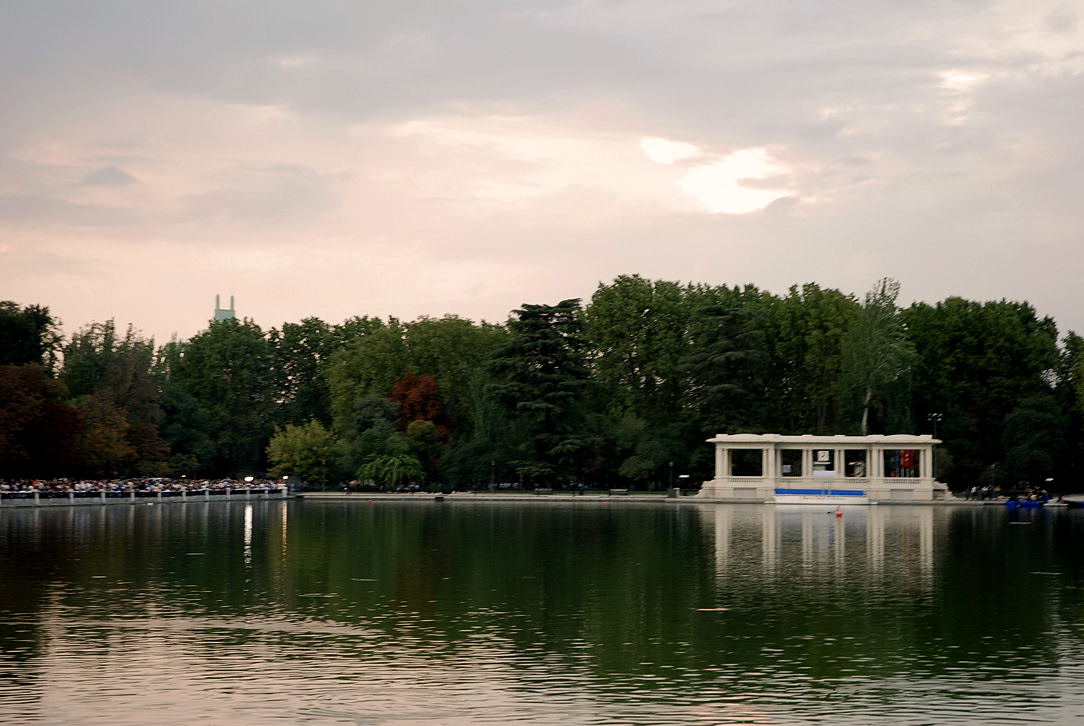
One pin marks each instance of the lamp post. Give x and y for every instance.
(682, 479)
(492, 476)
(934, 418)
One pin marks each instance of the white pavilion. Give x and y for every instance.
(818, 469)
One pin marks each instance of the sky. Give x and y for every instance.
(333, 158)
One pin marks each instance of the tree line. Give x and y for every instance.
(620, 391)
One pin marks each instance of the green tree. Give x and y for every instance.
(119, 370)
(308, 451)
(392, 470)
(975, 363)
(104, 446)
(876, 359)
(638, 333)
(541, 383)
(449, 349)
(225, 369)
(28, 334)
(369, 365)
(727, 364)
(1034, 439)
(300, 353)
(804, 333)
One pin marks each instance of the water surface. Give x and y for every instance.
(541, 613)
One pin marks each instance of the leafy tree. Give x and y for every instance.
(369, 432)
(541, 384)
(104, 447)
(975, 363)
(28, 334)
(638, 330)
(727, 364)
(804, 333)
(119, 370)
(423, 441)
(416, 399)
(225, 369)
(1034, 439)
(300, 353)
(877, 357)
(39, 432)
(451, 350)
(186, 425)
(392, 470)
(370, 365)
(309, 451)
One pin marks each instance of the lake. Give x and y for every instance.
(540, 613)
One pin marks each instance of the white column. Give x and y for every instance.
(720, 461)
(807, 462)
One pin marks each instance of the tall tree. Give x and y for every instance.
(804, 332)
(225, 369)
(541, 384)
(876, 362)
(118, 372)
(638, 333)
(39, 433)
(309, 452)
(727, 365)
(28, 334)
(300, 353)
(975, 363)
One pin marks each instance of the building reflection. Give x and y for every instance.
(813, 539)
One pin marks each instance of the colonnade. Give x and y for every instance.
(767, 466)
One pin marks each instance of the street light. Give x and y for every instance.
(681, 480)
(935, 418)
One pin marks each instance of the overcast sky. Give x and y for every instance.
(344, 157)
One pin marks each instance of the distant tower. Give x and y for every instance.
(224, 313)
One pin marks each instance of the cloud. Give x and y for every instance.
(726, 186)
(21, 209)
(664, 151)
(526, 151)
(108, 176)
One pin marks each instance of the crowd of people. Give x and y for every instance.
(115, 487)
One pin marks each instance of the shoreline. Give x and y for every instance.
(640, 497)
(99, 499)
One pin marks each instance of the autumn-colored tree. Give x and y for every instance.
(103, 444)
(418, 399)
(38, 431)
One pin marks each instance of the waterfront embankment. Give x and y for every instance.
(620, 496)
(99, 498)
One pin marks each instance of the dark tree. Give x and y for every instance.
(541, 385)
(28, 335)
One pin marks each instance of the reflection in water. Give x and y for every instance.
(272, 612)
(815, 536)
(247, 534)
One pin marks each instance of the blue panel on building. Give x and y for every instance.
(817, 492)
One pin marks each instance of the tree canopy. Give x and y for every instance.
(620, 392)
